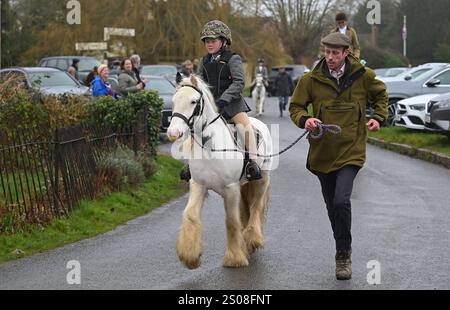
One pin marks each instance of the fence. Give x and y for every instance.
(44, 178)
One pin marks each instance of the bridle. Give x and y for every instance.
(198, 111)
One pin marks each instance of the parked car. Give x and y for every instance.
(48, 81)
(380, 72)
(437, 117)
(165, 90)
(410, 113)
(413, 73)
(85, 65)
(391, 72)
(295, 71)
(435, 80)
(167, 71)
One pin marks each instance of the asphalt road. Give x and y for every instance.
(401, 218)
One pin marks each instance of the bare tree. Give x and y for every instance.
(300, 23)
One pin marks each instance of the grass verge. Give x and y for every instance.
(416, 139)
(92, 218)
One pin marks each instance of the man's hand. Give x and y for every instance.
(312, 123)
(373, 125)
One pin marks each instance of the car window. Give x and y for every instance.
(150, 70)
(444, 77)
(88, 64)
(394, 72)
(62, 64)
(52, 63)
(51, 79)
(163, 87)
(417, 73)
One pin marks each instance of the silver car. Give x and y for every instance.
(437, 115)
(48, 81)
(435, 79)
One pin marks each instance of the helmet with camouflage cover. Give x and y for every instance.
(216, 29)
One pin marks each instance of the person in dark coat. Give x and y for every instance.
(284, 87)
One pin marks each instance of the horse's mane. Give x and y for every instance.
(196, 81)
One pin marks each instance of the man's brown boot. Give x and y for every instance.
(343, 265)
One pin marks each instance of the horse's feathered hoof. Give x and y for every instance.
(235, 260)
(253, 240)
(191, 264)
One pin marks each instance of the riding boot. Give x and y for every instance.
(252, 171)
(185, 173)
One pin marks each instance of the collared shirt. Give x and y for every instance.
(343, 30)
(337, 74)
(215, 57)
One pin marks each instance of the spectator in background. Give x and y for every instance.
(260, 69)
(73, 69)
(128, 82)
(187, 68)
(73, 72)
(100, 85)
(196, 64)
(343, 27)
(114, 68)
(136, 61)
(284, 87)
(91, 76)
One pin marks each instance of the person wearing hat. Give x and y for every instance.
(343, 27)
(260, 69)
(100, 85)
(224, 72)
(338, 89)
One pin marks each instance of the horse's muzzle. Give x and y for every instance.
(174, 135)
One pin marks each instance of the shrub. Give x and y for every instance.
(120, 168)
(122, 112)
(25, 108)
(147, 163)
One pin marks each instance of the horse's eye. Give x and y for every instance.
(194, 102)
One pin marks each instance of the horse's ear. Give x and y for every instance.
(194, 81)
(179, 78)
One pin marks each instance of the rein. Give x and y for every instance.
(200, 107)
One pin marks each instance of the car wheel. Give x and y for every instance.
(392, 109)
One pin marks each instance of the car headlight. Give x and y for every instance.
(418, 107)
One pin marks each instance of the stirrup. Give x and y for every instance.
(252, 171)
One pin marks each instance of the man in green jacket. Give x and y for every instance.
(343, 27)
(338, 89)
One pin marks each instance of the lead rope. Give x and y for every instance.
(322, 129)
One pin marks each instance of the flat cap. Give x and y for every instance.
(336, 39)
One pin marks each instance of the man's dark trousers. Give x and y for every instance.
(337, 189)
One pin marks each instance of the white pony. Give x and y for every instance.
(194, 121)
(259, 93)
